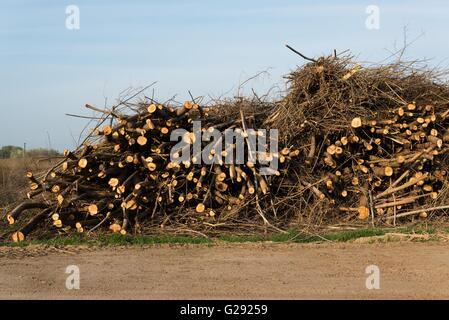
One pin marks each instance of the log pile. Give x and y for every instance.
(357, 144)
(376, 139)
(388, 165)
(128, 176)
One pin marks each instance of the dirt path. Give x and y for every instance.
(242, 271)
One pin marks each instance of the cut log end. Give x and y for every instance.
(10, 219)
(389, 171)
(92, 209)
(115, 227)
(411, 106)
(363, 213)
(200, 208)
(82, 163)
(423, 215)
(188, 105)
(152, 108)
(113, 182)
(18, 236)
(60, 199)
(142, 141)
(34, 186)
(57, 223)
(356, 123)
(107, 130)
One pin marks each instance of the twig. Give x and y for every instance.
(300, 54)
(419, 211)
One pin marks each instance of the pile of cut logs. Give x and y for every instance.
(127, 176)
(389, 165)
(371, 143)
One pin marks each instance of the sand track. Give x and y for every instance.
(240, 271)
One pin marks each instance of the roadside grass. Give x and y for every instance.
(291, 236)
(110, 240)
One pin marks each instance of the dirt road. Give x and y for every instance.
(241, 271)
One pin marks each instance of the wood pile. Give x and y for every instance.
(375, 139)
(357, 145)
(389, 165)
(128, 176)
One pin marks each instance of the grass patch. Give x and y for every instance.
(291, 236)
(244, 238)
(417, 230)
(354, 234)
(295, 236)
(111, 240)
(118, 239)
(341, 236)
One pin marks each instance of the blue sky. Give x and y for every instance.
(208, 47)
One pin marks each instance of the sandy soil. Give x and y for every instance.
(241, 271)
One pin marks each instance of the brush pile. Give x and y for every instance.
(355, 144)
(375, 140)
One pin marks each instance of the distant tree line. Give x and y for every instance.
(7, 152)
